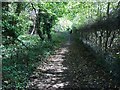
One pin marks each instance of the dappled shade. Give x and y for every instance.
(60, 45)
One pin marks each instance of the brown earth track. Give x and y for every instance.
(72, 67)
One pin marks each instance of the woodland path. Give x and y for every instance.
(72, 67)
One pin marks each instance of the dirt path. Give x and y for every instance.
(71, 67)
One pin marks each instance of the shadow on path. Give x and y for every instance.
(72, 67)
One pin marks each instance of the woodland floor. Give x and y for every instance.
(72, 67)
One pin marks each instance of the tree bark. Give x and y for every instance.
(107, 32)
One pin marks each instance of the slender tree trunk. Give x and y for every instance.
(107, 32)
(107, 37)
(112, 39)
(37, 26)
(100, 38)
(96, 35)
(108, 9)
(37, 23)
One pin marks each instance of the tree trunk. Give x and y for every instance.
(112, 39)
(108, 9)
(37, 26)
(37, 23)
(107, 32)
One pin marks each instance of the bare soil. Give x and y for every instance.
(71, 67)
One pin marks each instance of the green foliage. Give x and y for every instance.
(19, 62)
(14, 25)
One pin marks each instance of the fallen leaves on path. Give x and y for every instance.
(72, 67)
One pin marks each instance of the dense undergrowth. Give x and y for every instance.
(112, 68)
(19, 62)
(110, 64)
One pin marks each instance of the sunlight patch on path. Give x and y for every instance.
(50, 75)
